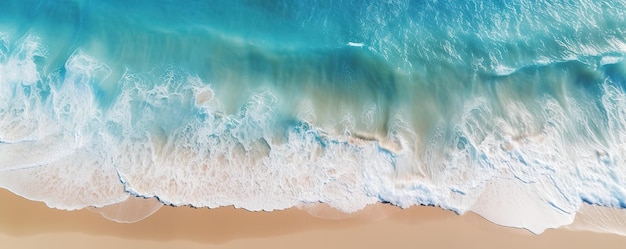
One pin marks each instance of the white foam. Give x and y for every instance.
(77, 181)
(41, 135)
(234, 159)
(20, 66)
(34, 153)
(503, 70)
(522, 164)
(606, 60)
(356, 44)
(18, 71)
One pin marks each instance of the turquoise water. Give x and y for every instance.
(493, 107)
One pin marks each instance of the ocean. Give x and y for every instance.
(515, 110)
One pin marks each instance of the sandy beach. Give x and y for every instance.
(28, 224)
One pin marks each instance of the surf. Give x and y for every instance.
(406, 103)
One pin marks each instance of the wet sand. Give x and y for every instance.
(28, 224)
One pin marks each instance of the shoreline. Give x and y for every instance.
(29, 224)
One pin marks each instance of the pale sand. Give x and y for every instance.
(28, 224)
